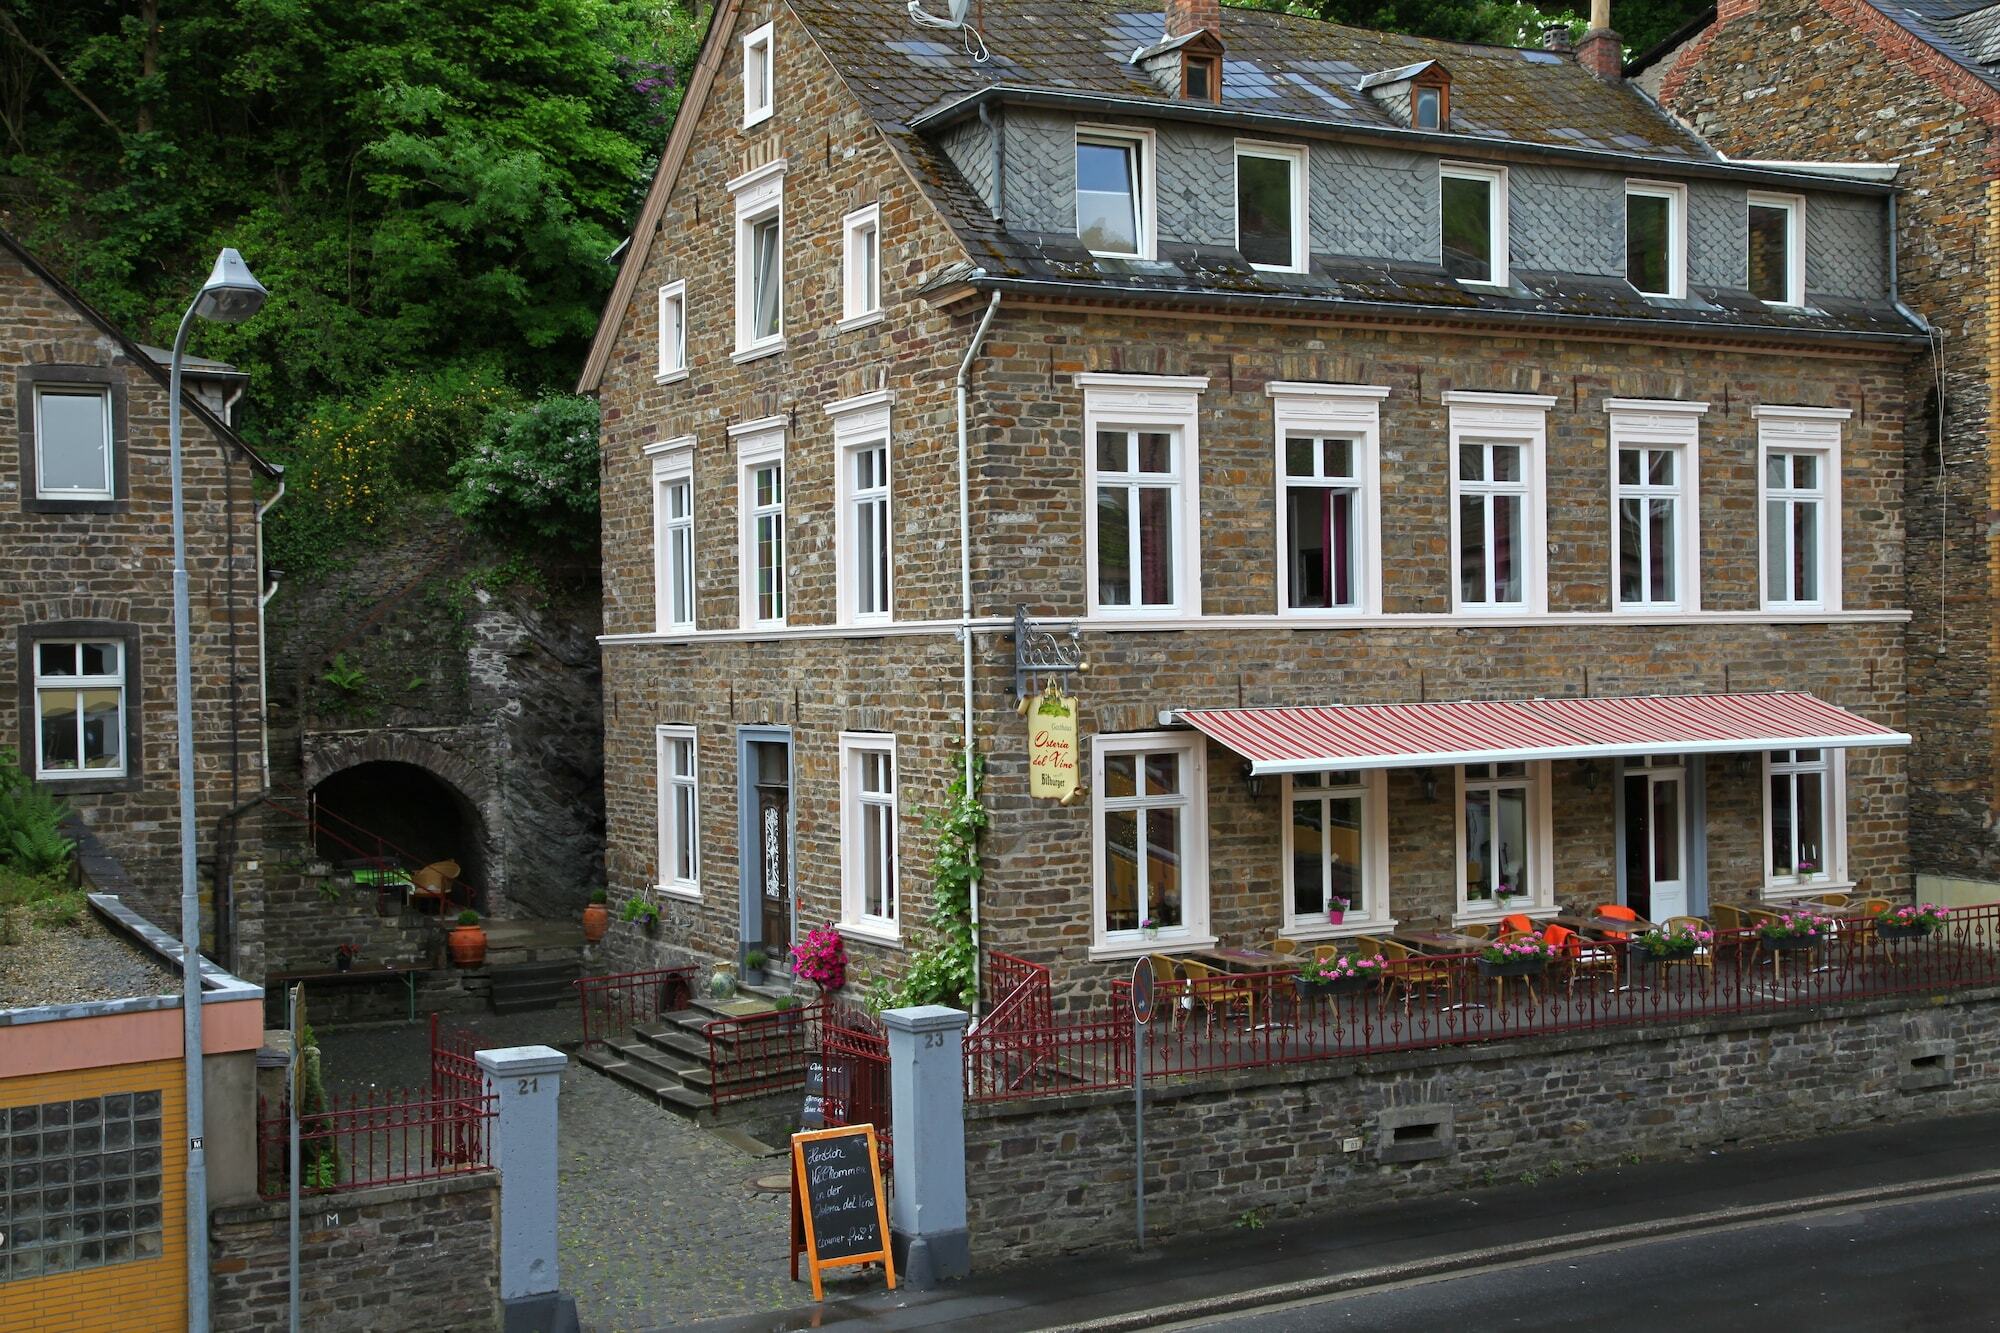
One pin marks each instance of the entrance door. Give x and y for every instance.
(1656, 840)
(773, 864)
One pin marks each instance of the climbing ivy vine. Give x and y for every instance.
(946, 970)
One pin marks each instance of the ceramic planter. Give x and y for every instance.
(467, 945)
(596, 920)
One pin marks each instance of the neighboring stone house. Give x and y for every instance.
(1917, 85)
(1303, 366)
(87, 591)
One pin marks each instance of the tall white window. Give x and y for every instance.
(1505, 861)
(79, 709)
(1472, 203)
(1799, 506)
(1775, 252)
(680, 811)
(1329, 496)
(1497, 490)
(760, 259)
(760, 457)
(1149, 803)
(862, 542)
(1655, 504)
(1656, 238)
(673, 331)
(861, 264)
(759, 75)
(1271, 230)
(1336, 853)
(868, 834)
(1804, 819)
(1142, 529)
(73, 443)
(1114, 192)
(673, 535)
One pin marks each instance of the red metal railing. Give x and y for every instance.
(615, 1002)
(1009, 1045)
(366, 845)
(760, 1053)
(854, 1056)
(379, 1137)
(1251, 1020)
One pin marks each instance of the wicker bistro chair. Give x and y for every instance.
(1171, 991)
(434, 884)
(1729, 919)
(1478, 930)
(1703, 955)
(1212, 990)
(1580, 958)
(1411, 971)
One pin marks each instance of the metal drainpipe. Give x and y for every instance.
(965, 594)
(264, 596)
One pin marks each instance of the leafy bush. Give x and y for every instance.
(533, 477)
(31, 818)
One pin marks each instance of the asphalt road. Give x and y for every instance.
(1928, 1265)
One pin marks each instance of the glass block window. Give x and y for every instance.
(80, 1184)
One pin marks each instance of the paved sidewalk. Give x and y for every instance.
(1203, 1276)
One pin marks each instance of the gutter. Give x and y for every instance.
(1428, 141)
(266, 590)
(965, 592)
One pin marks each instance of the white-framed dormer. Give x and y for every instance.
(1116, 191)
(861, 267)
(1468, 194)
(673, 535)
(672, 333)
(762, 543)
(1774, 248)
(1798, 507)
(760, 74)
(1327, 467)
(864, 508)
(1272, 233)
(1656, 238)
(760, 260)
(1499, 502)
(1142, 470)
(1655, 488)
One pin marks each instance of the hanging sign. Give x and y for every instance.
(1052, 748)
(837, 1180)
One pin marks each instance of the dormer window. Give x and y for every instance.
(1419, 94)
(1427, 108)
(1201, 78)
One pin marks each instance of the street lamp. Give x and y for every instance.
(230, 296)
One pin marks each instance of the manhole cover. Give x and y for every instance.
(778, 1184)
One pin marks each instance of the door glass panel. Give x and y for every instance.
(1666, 829)
(1638, 819)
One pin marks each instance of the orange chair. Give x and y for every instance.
(1579, 958)
(1616, 912)
(1520, 921)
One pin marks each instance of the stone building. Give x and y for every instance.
(1906, 93)
(1294, 366)
(87, 590)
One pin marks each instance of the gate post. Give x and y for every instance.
(927, 1109)
(524, 1082)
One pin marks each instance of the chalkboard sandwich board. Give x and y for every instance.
(838, 1178)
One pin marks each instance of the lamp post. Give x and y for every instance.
(230, 296)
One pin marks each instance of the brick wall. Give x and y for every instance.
(423, 1255)
(1043, 1178)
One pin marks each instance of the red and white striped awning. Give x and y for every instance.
(1350, 736)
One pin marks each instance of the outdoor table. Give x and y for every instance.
(1235, 958)
(1439, 941)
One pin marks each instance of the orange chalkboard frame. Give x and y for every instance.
(804, 1205)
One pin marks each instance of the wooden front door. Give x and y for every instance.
(774, 870)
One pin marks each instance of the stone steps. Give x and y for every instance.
(645, 1078)
(522, 987)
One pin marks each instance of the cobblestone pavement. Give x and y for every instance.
(658, 1223)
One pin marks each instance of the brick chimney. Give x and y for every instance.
(1186, 16)
(1600, 51)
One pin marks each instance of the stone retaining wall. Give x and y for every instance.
(423, 1255)
(1055, 1175)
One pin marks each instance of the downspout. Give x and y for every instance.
(264, 595)
(965, 595)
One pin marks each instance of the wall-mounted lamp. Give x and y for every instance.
(1741, 765)
(1253, 782)
(1429, 778)
(1589, 771)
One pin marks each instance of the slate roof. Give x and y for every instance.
(1966, 33)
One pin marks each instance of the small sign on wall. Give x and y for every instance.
(1052, 748)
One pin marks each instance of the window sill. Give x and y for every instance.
(1815, 889)
(676, 629)
(756, 118)
(1112, 951)
(671, 376)
(1493, 915)
(93, 784)
(687, 893)
(859, 321)
(886, 936)
(1345, 930)
(757, 351)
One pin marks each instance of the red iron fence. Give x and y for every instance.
(380, 1137)
(1010, 1044)
(760, 1053)
(854, 1057)
(613, 1003)
(1252, 1020)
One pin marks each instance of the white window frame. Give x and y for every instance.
(1297, 159)
(1513, 418)
(1802, 430)
(1540, 861)
(1355, 411)
(673, 333)
(1145, 208)
(76, 685)
(860, 293)
(1497, 208)
(1795, 243)
(854, 914)
(1656, 423)
(673, 464)
(860, 423)
(102, 393)
(1373, 789)
(1677, 212)
(1148, 402)
(759, 444)
(760, 196)
(667, 882)
(760, 51)
(1832, 765)
(1193, 932)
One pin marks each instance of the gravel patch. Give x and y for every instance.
(72, 964)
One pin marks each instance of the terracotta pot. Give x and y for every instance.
(596, 920)
(467, 945)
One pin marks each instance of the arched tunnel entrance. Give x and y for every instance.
(402, 813)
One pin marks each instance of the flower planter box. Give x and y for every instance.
(1790, 941)
(1520, 967)
(1312, 988)
(1902, 933)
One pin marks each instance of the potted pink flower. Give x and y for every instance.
(1336, 909)
(821, 958)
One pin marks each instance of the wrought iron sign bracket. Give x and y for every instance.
(1044, 648)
